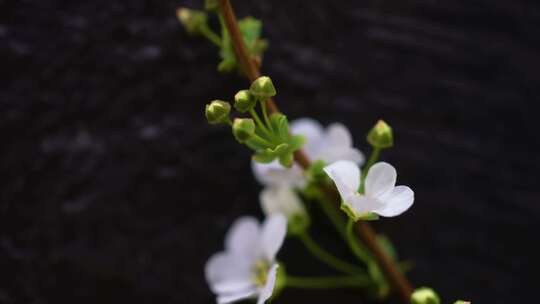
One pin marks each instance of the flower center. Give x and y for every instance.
(260, 272)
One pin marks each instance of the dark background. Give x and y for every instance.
(113, 188)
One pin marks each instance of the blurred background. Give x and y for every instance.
(114, 188)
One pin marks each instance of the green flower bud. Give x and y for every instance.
(262, 88)
(381, 136)
(244, 101)
(462, 302)
(211, 5)
(243, 129)
(425, 295)
(217, 112)
(192, 20)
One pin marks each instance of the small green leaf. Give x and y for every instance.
(263, 157)
(297, 142)
(387, 246)
(286, 160)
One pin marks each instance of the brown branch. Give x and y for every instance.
(364, 230)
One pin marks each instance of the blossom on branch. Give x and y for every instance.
(381, 195)
(329, 145)
(247, 268)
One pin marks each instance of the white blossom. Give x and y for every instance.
(331, 144)
(381, 196)
(247, 268)
(281, 200)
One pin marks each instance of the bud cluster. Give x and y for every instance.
(269, 137)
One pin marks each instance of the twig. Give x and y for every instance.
(364, 230)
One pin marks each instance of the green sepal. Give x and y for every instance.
(387, 246)
(280, 125)
(256, 145)
(350, 213)
(382, 288)
(368, 216)
(315, 173)
(263, 157)
(286, 160)
(296, 142)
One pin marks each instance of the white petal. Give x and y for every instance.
(267, 290)
(313, 133)
(237, 296)
(274, 174)
(361, 204)
(226, 273)
(243, 237)
(380, 180)
(307, 127)
(281, 200)
(332, 154)
(397, 201)
(273, 233)
(337, 135)
(346, 176)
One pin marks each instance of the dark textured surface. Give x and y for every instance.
(114, 189)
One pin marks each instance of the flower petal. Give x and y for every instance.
(273, 233)
(380, 180)
(362, 204)
(226, 273)
(346, 176)
(281, 200)
(332, 154)
(396, 202)
(243, 237)
(312, 130)
(274, 174)
(337, 135)
(266, 292)
(236, 296)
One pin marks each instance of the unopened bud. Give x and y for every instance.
(381, 135)
(217, 112)
(243, 129)
(262, 88)
(425, 295)
(462, 302)
(244, 101)
(192, 20)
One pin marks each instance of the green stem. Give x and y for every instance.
(328, 282)
(260, 140)
(358, 249)
(333, 214)
(372, 159)
(210, 35)
(260, 123)
(265, 114)
(327, 257)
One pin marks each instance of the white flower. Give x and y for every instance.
(281, 200)
(247, 268)
(381, 195)
(331, 144)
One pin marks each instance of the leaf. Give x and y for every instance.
(387, 246)
(286, 160)
(263, 157)
(296, 142)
